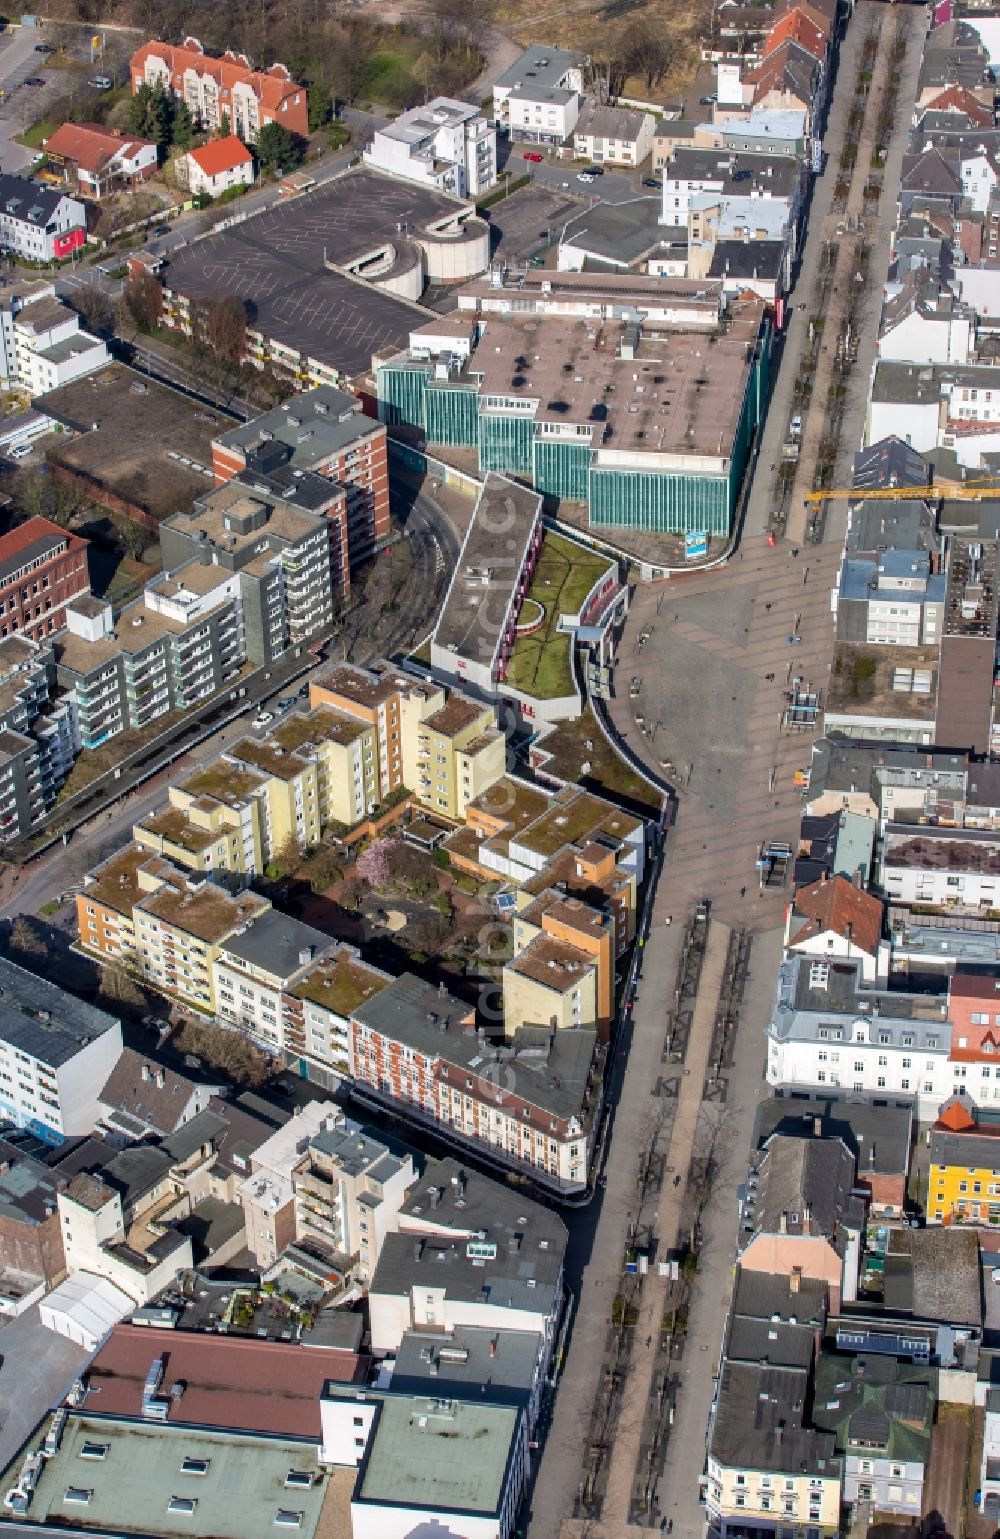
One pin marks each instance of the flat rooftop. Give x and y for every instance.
(341, 983)
(138, 1483)
(933, 848)
(275, 262)
(41, 1019)
(895, 682)
(207, 912)
(489, 564)
(445, 1455)
(311, 426)
(138, 439)
(680, 393)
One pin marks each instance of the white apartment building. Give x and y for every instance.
(56, 1053)
(538, 100)
(38, 223)
(895, 599)
(447, 144)
(92, 1222)
(49, 347)
(825, 1033)
(941, 867)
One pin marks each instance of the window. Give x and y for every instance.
(77, 1496)
(94, 1451)
(195, 1466)
(284, 1518)
(183, 1506)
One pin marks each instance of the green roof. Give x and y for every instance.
(448, 1455)
(541, 663)
(875, 1404)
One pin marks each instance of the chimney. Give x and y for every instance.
(871, 1157)
(147, 1073)
(817, 1127)
(795, 1279)
(493, 1346)
(783, 1224)
(160, 1079)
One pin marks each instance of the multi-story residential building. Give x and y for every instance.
(284, 541)
(30, 1232)
(415, 1050)
(562, 971)
(328, 1184)
(771, 1469)
(516, 831)
(14, 296)
(97, 1241)
(37, 223)
(446, 144)
(312, 771)
(896, 599)
(614, 136)
(138, 909)
(324, 431)
(39, 737)
(143, 1100)
(93, 160)
(178, 644)
(836, 919)
(963, 1182)
(226, 88)
(317, 1005)
(255, 968)
(215, 167)
(876, 1131)
(42, 567)
(691, 171)
(800, 1214)
(538, 98)
(468, 1251)
(882, 1428)
(941, 867)
(829, 1032)
(51, 349)
(441, 745)
(56, 1053)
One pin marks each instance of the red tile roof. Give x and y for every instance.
(798, 26)
(221, 155)
(839, 906)
(271, 87)
(235, 1382)
(958, 99)
(91, 147)
(32, 530)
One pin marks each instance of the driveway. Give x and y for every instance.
(38, 1369)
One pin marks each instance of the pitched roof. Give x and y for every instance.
(801, 27)
(957, 98)
(271, 86)
(839, 906)
(134, 1087)
(220, 155)
(91, 147)
(790, 68)
(273, 1387)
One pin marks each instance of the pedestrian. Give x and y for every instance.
(743, 892)
(649, 1341)
(767, 609)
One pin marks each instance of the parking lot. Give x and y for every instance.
(528, 222)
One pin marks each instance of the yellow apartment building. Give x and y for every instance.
(442, 746)
(213, 821)
(563, 951)
(963, 1183)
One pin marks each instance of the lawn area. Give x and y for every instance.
(541, 664)
(33, 136)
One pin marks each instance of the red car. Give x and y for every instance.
(533, 155)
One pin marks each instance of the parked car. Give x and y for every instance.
(44, 48)
(650, 181)
(34, 80)
(263, 718)
(585, 176)
(532, 155)
(795, 426)
(99, 83)
(594, 170)
(707, 101)
(162, 229)
(303, 692)
(20, 451)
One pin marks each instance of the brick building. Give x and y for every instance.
(30, 1236)
(42, 567)
(326, 432)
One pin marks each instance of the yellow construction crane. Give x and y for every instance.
(959, 491)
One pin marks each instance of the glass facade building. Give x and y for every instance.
(561, 460)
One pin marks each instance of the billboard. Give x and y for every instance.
(696, 545)
(63, 245)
